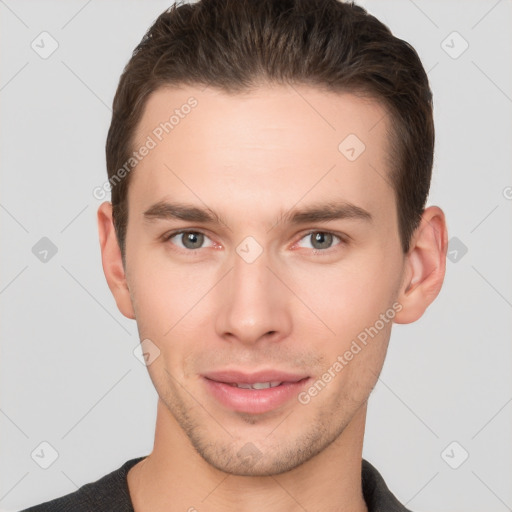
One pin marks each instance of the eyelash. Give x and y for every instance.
(342, 240)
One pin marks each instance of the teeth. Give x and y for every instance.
(257, 385)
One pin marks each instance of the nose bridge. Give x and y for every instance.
(254, 304)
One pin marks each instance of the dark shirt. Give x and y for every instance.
(110, 494)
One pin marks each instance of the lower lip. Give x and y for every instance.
(254, 401)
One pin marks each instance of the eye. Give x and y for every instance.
(189, 239)
(321, 240)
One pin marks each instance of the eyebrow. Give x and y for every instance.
(321, 212)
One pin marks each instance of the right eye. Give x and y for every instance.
(191, 240)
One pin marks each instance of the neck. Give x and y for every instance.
(174, 473)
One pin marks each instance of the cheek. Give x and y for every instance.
(171, 301)
(167, 305)
(349, 296)
(357, 305)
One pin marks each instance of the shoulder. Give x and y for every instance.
(376, 493)
(109, 494)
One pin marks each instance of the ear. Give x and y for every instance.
(112, 261)
(425, 266)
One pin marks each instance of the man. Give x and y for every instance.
(269, 163)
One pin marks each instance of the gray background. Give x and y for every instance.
(68, 373)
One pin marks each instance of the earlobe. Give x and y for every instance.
(425, 266)
(112, 261)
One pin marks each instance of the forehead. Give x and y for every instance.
(273, 144)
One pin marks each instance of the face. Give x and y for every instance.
(276, 260)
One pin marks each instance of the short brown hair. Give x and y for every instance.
(234, 45)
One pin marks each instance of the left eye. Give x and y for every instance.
(189, 239)
(321, 240)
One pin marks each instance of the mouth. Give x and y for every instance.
(254, 393)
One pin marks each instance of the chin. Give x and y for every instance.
(241, 458)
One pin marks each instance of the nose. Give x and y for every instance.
(254, 305)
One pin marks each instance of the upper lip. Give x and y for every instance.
(239, 377)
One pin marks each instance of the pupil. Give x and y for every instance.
(323, 239)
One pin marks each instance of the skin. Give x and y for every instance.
(250, 158)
